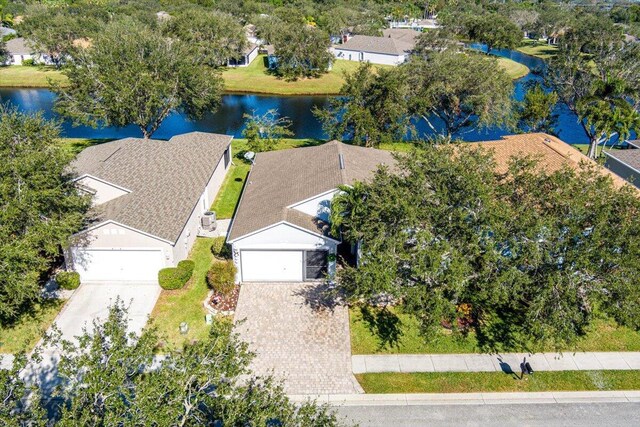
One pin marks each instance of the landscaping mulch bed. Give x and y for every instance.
(224, 303)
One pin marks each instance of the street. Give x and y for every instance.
(560, 414)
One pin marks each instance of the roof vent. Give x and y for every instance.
(341, 160)
(547, 140)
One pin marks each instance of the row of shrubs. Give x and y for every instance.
(176, 277)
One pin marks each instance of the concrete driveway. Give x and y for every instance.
(297, 337)
(91, 302)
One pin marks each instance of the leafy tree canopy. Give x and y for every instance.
(522, 257)
(131, 74)
(301, 51)
(39, 208)
(264, 132)
(537, 110)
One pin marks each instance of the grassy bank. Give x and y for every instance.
(538, 49)
(30, 77)
(24, 335)
(372, 332)
(464, 382)
(514, 69)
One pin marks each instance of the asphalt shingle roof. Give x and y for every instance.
(18, 46)
(282, 178)
(166, 178)
(630, 157)
(383, 45)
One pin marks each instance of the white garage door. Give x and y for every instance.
(113, 264)
(271, 266)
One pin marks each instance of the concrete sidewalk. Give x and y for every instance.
(508, 362)
(410, 399)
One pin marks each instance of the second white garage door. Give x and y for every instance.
(271, 266)
(103, 265)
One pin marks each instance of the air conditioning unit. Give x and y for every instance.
(209, 221)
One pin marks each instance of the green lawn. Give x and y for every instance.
(372, 333)
(464, 382)
(256, 79)
(538, 49)
(185, 305)
(514, 69)
(25, 334)
(23, 76)
(76, 145)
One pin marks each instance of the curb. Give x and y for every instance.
(426, 399)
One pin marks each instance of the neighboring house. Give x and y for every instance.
(19, 50)
(392, 49)
(414, 24)
(625, 163)
(149, 197)
(4, 32)
(248, 55)
(280, 231)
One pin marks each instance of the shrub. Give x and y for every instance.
(29, 62)
(68, 280)
(176, 277)
(220, 249)
(221, 277)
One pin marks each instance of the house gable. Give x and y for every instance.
(318, 206)
(100, 190)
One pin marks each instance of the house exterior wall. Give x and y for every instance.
(253, 55)
(374, 58)
(622, 170)
(190, 231)
(104, 191)
(319, 206)
(282, 237)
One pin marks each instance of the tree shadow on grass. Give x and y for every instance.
(385, 324)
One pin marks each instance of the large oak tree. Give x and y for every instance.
(524, 258)
(132, 74)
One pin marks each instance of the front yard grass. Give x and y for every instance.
(30, 77)
(25, 334)
(372, 334)
(185, 305)
(465, 382)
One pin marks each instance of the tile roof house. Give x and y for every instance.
(148, 200)
(392, 49)
(280, 231)
(626, 162)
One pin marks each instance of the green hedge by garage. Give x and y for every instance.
(176, 277)
(68, 280)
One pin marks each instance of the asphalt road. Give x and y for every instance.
(560, 414)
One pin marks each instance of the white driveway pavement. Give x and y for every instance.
(92, 301)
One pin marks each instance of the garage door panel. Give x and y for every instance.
(112, 264)
(271, 266)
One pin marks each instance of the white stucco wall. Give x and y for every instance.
(104, 191)
(282, 237)
(190, 231)
(253, 55)
(374, 58)
(319, 207)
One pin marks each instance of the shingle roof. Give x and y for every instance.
(384, 45)
(282, 178)
(18, 46)
(553, 153)
(166, 178)
(630, 157)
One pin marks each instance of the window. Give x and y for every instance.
(227, 158)
(315, 264)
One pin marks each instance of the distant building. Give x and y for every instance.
(20, 50)
(392, 49)
(4, 32)
(414, 24)
(625, 163)
(248, 55)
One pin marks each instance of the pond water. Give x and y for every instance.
(229, 119)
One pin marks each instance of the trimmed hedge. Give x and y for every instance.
(68, 280)
(220, 249)
(221, 277)
(176, 277)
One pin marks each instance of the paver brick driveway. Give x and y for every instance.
(307, 346)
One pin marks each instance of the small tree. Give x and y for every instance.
(301, 51)
(536, 111)
(133, 75)
(264, 132)
(372, 107)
